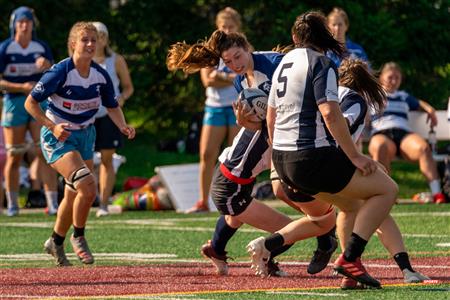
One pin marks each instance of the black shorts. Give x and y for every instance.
(230, 198)
(108, 135)
(396, 135)
(325, 169)
(293, 194)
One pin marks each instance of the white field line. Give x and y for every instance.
(164, 225)
(309, 294)
(165, 258)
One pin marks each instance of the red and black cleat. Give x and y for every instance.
(356, 271)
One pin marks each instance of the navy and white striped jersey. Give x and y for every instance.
(250, 153)
(354, 109)
(395, 114)
(303, 80)
(72, 98)
(18, 64)
(264, 64)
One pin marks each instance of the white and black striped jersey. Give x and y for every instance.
(303, 80)
(395, 114)
(250, 153)
(354, 109)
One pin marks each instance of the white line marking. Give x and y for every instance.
(310, 294)
(443, 244)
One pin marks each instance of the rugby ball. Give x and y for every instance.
(256, 101)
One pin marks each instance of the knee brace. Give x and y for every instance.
(17, 149)
(77, 177)
(330, 211)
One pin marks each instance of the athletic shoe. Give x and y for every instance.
(12, 211)
(57, 252)
(273, 269)
(81, 249)
(355, 270)
(198, 207)
(439, 198)
(260, 256)
(413, 277)
(351, 284)
(102, 212)
(321, 258)
(50, 211)
(219, 261)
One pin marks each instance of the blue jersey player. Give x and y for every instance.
(23, 59)
(75, 89)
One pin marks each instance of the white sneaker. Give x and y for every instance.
(260, 256)
(413, 277)
(102, 212)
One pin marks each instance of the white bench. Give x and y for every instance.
(418, 123)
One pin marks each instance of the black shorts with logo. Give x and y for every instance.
(230, 198)
(312, 171)
(108, 135)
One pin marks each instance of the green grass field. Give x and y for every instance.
(130, 239)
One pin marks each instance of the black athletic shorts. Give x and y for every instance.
(231, 198)
(396, 135)
(312, 171)
(108, 135)
(293, 194)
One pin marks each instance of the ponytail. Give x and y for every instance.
(354, 74)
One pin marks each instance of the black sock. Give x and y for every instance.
(279, 250)
(324, 241)
(355, 247)
(222, 235)
(59, 240)
(274, 241)
(402, 260)
(78, 231)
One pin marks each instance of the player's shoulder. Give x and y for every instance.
(5, 43)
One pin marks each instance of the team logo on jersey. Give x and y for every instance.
(69, 92)
(266, 87)
(39, 87)
(12, 69)
(67, 105)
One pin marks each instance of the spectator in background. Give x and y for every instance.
(23, 59)
(338, 24)
(219, 121)
(109, 138)
(392, 135)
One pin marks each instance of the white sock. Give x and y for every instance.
(435, 186)
(12, 199)
(52, 199)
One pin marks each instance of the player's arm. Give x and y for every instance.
(118, 118)
(212, 78)
(34, 109)
(426, 107)
(16, 87)
(126, 84)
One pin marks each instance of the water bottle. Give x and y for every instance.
(432, 140)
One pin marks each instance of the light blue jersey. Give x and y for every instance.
(72, 98)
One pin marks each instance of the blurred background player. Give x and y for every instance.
(392, 135)
(219, 122)
(23, 59)
(108, 137)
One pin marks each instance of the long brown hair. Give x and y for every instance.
(355, 74)
(203, 54)
(311, 31)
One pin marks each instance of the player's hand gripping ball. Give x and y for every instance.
(255, 101)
